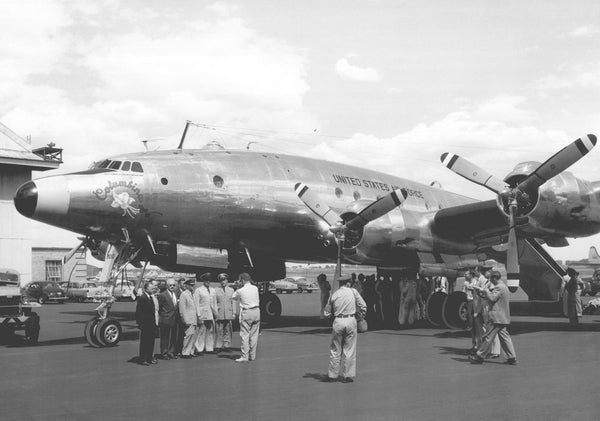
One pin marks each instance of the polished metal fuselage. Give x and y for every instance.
(228, 199)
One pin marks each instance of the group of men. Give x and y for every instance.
(489, 316)
(192, 318)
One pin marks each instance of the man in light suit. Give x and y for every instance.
(225, 313)
(189, 317)
(146, 317)
(167, 320)
(206, 308)
(499, 315)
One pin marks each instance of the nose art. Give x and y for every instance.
(26, 199)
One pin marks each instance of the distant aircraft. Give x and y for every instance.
(593, 257)
(241, 210)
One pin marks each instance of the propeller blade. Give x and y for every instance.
(377, 209)
(72, 252)
(472, 172)
(512, 253)
(312, 201)
(558, 162)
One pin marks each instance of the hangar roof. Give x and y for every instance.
(14, 150)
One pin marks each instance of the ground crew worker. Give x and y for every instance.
(225, 314)
(325, 292)
(499, 315)
(249, 304)
(189, 317)
(343, 305)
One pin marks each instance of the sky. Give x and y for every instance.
(386, 85)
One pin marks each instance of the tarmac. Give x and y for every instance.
(420, 373)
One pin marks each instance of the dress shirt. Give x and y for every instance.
(342, 303)
(248, 296)
(155, 301)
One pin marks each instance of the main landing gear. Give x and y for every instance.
(450, 311)
(270, 306)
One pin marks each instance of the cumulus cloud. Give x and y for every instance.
(585, 31)
(352, 72)
(97, 77)
(571, 77)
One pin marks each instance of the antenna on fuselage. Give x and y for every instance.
(187, 125)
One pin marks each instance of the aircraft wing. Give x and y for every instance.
(481, 222)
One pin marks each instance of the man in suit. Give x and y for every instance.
(146, 317)
(189, 317)
(167, 320)
(225, 313)
(206, 307)
(499, 315)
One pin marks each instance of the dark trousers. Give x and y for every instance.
(168, 340)
(147, 337)
(181, 328)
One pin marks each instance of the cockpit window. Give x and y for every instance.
(137, 167)
(115, 165)
(103, 164)
(126, 165)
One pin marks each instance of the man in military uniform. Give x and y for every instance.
(189, 317)
(343, 305)
(225, 313)
(206, 306)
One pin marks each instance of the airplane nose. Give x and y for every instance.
(26, 199)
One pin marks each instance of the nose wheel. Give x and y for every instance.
(100, 333)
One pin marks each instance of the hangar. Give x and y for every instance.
(17, 162)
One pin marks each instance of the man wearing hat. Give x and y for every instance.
(574, 287)
(499, 315)
(343, 305)
(206, 307)
(189, 317)
(225, 313)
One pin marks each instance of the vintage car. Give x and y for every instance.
(123, 290)
(45, 291)
(81, 291)
(302, 283)
(283, 285)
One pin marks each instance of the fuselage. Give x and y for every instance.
(227, 199)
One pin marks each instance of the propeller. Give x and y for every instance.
(337, 225)
(517, 198)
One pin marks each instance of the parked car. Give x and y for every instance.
(123, 290)
(282, 285)
(592, 286)
(44, 291)
(302, 283)
(81, 290)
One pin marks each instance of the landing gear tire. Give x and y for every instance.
(90, 333)
(108, 332)
(435, 302)
(270, 307)
(455, 311)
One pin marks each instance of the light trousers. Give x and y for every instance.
(249, 329)
(224, 334)
(189, 339)
(342, 352)
(500, 332)
(205, 338)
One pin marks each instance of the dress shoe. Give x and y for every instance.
(172, 356)
(241, 360)
(475, 359)
(494, 356)
(154, 361)
(511, 361)
(328, 379)
(348, 380)
(144, 363)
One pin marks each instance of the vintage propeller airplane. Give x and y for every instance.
(237, 210)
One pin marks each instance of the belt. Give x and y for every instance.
(342, 316)
(250, 308)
